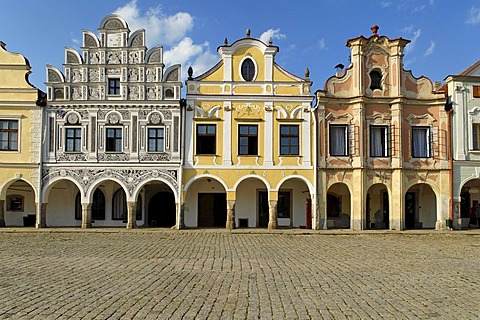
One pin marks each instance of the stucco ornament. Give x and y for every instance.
(72, 118)
(113, 118)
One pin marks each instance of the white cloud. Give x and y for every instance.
(162, 29)
(411, 46)
(385, 4)
(473, 16)
(272, 34)
(430, 49)
(321, 44)
(198, 56)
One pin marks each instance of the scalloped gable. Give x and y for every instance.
(213, 74)
(282, 75)
(14, 69)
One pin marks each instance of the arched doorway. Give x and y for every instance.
(252, 207)
(377, 207)
(61, 205)
(161, 210)
(294, 203)
(469, 199)
(420, 207)
(338, 206)
(205, 203)
(20, 206)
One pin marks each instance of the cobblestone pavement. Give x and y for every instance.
(217, 274)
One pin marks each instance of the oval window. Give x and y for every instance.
(248, 70)
(376, 80)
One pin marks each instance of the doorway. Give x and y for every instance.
(212, 209)
(161, 210)
(410, 204)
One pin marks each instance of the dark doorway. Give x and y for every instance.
(263, 214)
(410, 210)
(161, 210)
(386, 210)
(212, 209)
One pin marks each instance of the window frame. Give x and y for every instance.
(75, 138)
(116, 89)
(255, 69)
(475, 136)
(115, 139)
(252, 140)
(289, 136)
(384, 135)
(205, 137)
(115, 216)
(156, 139)
(428, 142)
(12, 197)
(10, 131)
(375, 84)
(346, 150)
(475, 91)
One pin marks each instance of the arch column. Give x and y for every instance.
(41, 220)
(457, 218)
(230, 224)
(2, 213)
(180, 207)
(131, 214)
(86, 215)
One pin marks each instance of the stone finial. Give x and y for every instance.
(248, 33)
(374, 29)
(307, 74)
(225, 42)
(190, 73)
(270, 41)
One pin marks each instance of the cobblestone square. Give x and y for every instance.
(218, 274)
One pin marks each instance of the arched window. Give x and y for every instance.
(98, 206)
(169, 93)
(376, 80)
(248, 69)
(78, 207)
(119, 205)
(139, 208)
(59, 94)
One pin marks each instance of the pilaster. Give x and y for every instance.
(397, 211)
(41, 221)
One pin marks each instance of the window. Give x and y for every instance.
(114, 140)
(283, 204)
(476, 136)
(15, 203)
(289, 140)
(476, 91)
(98, 206)
(376, 80)
(206, 138)
(73, 139)
(248, 140)
(248, 69)
(169, 93)
(119, 205)
(114, 86)
(155, 139)
(338, 140)
(420, 142)
(8, 135)
(378, 141)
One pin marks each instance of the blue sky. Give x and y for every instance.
(310, 34)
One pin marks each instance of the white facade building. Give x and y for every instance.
(112, 153)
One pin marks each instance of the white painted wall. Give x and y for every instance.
(427, 210)
(246, 205)
(299, 194)
(15, 218)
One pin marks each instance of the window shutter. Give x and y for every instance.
(391, 140)
(351, 139)
(476, 91)
(434, 142)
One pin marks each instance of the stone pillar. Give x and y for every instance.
(272, 214)
(397, 210)
(2, 213)
(86, 215)
(230, 214)
(457, 218)
(131, 215)
(41, 219)
(181, 217)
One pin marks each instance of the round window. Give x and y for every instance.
(248, 69)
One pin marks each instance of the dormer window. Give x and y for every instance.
(375, 80)
(248, 69)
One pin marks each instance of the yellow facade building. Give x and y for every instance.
(249, 142)
(20, 139)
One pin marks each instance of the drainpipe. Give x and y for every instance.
(41, 103)
(449, 110)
